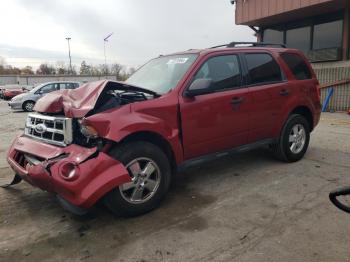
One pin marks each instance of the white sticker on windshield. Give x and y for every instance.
(180, 60)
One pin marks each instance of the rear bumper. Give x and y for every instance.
(98, 173)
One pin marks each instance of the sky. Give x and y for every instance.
(34, 31)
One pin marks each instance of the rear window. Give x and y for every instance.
(297, 65)
(263, 69)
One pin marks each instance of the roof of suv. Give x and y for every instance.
(237, 46)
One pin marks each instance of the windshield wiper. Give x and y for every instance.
(140, 89)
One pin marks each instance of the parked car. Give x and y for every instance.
(27, 101)
(121, 142)
(8, 92)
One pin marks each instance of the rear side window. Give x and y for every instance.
(263, 69)
(224, 71)
(297, 65)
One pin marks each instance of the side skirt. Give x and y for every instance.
(216, 155)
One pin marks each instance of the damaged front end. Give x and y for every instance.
(79, 175)
(59, 153)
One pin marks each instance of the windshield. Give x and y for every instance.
(36, 88)
(162, 74)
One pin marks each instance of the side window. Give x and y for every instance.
(62, 86)
(49, 88)
(224, 71)
(67, 86)
(263, 69)
(297, 65)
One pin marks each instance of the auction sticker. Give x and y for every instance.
(180, 60)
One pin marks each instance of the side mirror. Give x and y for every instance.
(199, 87)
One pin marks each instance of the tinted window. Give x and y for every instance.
(263, 69)
(273, 36)
(297, 65)
(49, 88)
(328, 35)
(299, 38)
(224, 71)
(67, 86)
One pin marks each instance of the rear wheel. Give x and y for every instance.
(28, 106)
(150, 173)
(294, 139)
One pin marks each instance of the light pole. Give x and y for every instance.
(105, 40)
(70, 58)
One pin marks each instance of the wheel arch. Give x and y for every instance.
(306, 112)
(24, 103)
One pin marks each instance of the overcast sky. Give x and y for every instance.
(34, 31)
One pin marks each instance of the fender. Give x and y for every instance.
(117, 124)
(292, 104)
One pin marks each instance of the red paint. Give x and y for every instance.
(83, 192)
(10, 93)
(208, 124)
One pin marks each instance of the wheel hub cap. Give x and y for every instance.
(145, 180)
(297, 138)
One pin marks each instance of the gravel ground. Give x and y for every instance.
(246, 207)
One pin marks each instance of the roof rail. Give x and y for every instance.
(252, 44)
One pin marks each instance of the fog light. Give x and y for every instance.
(69, 171)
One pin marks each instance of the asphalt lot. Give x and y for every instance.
(246, 207)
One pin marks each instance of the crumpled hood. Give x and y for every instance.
(73, 102)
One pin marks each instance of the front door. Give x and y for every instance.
(218, 120)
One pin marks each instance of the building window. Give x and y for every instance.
(328, 35)
(263, 69)
(274, 36)
(299, 38)
(319, 37)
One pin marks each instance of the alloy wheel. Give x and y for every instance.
(145, 180)
(297, 138)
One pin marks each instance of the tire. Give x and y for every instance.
(28, 106)
(126, 200)
(294, 139)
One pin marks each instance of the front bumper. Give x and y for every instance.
(98, 173)
(15, 104)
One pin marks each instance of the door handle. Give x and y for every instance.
(284, 92)
(237, 100)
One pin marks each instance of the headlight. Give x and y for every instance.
(87, 131)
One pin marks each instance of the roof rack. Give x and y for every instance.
(252, 44)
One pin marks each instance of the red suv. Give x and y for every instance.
(122, 142)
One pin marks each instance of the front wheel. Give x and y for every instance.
(294, 139)
(28, 106)
(150, 173)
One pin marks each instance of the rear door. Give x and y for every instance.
(269, 91)
(218, 120)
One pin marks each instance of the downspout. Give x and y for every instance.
(258, 33)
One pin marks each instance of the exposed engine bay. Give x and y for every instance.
(117, 94)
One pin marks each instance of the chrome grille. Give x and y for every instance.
(49, 129)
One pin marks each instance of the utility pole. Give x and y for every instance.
(105, 40)
(70, 58)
